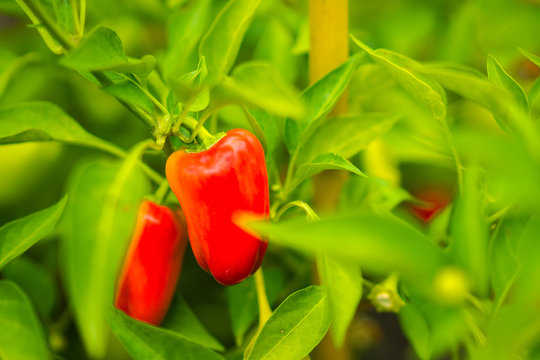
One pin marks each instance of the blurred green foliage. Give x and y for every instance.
(462, 116)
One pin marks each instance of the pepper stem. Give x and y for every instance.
(264, 307)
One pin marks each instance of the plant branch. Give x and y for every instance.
(51, 27)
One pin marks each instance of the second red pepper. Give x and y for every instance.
(212, 187)
(153, 263)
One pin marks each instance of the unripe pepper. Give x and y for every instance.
(214, 186)
(153, 263)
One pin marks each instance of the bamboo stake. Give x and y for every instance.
(329, 48)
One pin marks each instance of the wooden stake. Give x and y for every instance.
(329, 48)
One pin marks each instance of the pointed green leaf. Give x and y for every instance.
(295, 328)
(22, 336)
(265, 127)
(186, 26)
(255, 83)
(534, 58)
(475, 87)
(416, 329)
(497, 74)
(342, 280)
(401, 69)
(221, 43)
(36, 281)
(43, 121)
(469, 232)
(19, 235)
(380, 244)
(323, 162)
(321, 97)
(146, 342)
(102, 50)
(100, 219)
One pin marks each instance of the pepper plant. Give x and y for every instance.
(360, 178)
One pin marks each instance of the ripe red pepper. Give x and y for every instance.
(212, 187)
(153, 263)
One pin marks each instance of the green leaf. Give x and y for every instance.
(292, 134)
(103, 51)
(181, 319)
(321, 96)
(22, 336)
(534, 92)
(534, 58)
(497, 74)
(349, 135)
(295, 328)
(255, 83)
(416, 329)
(14, 66)
(526, 289)
(36, 281)
(343, 282)
(65, 13)
(242, 300)
(265, 127)
(469, 232)
(43, 121)
(186, 26)
(475, 87)
(323, 162)
(401, 69)
(380, 244)
(130, 94)
(191, 87)
(19, 235)
(146, 342)
(275, 45)
(100, 219)
(221, 43)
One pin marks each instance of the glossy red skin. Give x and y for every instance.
(212, 187)
(152, 265)
(436, 200)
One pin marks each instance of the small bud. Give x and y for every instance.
(385, 297)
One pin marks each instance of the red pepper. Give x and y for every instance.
(153, 263)
(435, 201)
(212, 187)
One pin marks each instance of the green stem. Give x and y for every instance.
(151, 97)
(191, 124)
(39, 17)
(162, 192)
(310, 214)
(138, 112)
(183, 114)
(264, 307)
(457, 160)
(113, 150)
(199, 125)
(82, 18)
(46, 21)
(47, 38)
(473, 300)
(75, 15)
